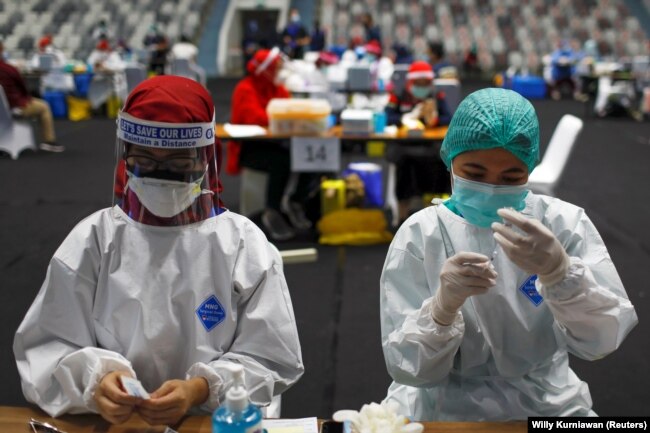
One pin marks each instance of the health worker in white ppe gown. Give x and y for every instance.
(484, 296)
(166, 286)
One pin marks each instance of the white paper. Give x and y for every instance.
(298, 425)
(239, 131)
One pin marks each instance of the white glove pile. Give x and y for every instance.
(377, 418)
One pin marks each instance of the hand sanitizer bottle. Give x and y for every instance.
(237, 415)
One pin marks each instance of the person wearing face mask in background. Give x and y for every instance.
(484, 296)
(166, 286)
(249, 101)
(295, 39)
(419, 169)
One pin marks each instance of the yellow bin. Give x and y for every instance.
(78, 108)
(332, 195)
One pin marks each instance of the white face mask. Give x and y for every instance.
(164, 198)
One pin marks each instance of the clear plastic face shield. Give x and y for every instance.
(166, 173)
(276, 68)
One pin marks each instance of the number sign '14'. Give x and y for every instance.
(315, 154)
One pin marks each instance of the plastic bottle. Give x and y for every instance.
(238, 414)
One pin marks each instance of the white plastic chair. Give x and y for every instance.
(15, 136)
(546, 175)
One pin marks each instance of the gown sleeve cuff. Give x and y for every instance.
(572, 285)
(441, 316)
(428, 322)
(215, 384)
(101, 368)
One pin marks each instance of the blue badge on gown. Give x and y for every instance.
(210, 313)
(528, 289)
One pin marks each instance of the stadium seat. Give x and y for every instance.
(546, 175)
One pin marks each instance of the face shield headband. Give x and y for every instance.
(156, 180)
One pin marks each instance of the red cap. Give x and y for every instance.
(44, 41)
(420, 69)
(327, 58)
(373, 47)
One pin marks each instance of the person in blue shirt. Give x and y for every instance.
(294, 37)
(318, 36)
(563, 68)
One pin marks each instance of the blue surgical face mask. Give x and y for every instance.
(420, 92)
(478, 202)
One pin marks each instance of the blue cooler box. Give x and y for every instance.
(370, 174)
(82, 83)
(529, 86)
(57, 103)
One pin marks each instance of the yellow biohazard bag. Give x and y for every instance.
(78, 108)
(354, 227)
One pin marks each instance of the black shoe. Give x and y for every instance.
(51, 147)
(275, 225)
(296, 215)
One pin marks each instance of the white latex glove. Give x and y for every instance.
(462, 275)
(537, 251)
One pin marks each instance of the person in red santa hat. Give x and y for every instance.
(249, 101)
(46, 46)
(166, 287)
(419, 170)
(104, 58)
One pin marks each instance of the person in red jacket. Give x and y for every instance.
(20, 100)
(249, 100)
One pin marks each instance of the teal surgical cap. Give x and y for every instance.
(490, 118)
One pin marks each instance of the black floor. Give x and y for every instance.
(336, 300)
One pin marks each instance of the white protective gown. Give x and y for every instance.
(163, 302)
(503, 357)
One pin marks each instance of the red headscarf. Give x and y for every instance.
(172, 99)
